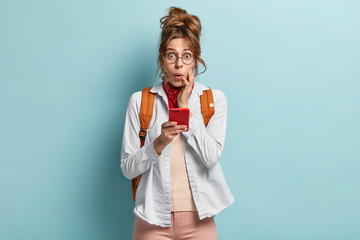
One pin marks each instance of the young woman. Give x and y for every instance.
(182, 186)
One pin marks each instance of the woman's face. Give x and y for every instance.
(176, 69)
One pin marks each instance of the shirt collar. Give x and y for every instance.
(198, 88)
(196, 92)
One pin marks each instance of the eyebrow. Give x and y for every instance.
(185, 49)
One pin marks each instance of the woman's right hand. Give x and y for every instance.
(169, 130)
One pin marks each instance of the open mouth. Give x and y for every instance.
(178, 76)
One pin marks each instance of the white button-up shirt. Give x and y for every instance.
(203, 147)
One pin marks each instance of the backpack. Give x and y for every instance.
(146, 112)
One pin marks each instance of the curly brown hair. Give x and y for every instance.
(179, 24)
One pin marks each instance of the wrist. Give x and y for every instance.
(159, 145)
(182, 105)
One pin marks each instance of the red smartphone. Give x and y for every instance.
(180, 115)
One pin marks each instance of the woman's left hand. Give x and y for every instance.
(184, 94)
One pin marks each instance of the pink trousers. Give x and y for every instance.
(184, 225)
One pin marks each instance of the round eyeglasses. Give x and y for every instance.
(172, 58)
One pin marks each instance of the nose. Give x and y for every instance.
(178, 63)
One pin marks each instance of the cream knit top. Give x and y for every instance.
(180, 191)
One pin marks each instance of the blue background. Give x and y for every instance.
(290, 70)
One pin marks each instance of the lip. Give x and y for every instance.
(178, 76)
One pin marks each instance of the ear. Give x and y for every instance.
(165, 75)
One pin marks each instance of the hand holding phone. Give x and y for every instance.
(180, 115)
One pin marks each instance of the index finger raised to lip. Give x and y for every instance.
(192, 74)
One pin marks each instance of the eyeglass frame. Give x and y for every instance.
(182, 59)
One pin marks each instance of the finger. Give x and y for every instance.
(168, 124)
(176, 127)
(185, 81)
(191, 76)
(176, 131)
(186, 86)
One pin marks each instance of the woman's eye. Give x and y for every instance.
(187, 55)
(171, 55)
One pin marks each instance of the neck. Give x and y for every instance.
(172, 86)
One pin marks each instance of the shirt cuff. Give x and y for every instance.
(194, 123)
(151, 153)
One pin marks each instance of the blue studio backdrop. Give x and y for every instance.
(290, 71)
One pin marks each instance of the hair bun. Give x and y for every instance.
(178, 12)
(178, 17)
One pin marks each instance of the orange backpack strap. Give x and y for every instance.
(207, 105)
(146, 112)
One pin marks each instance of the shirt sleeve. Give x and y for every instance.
(208, 142)
(135, 160)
